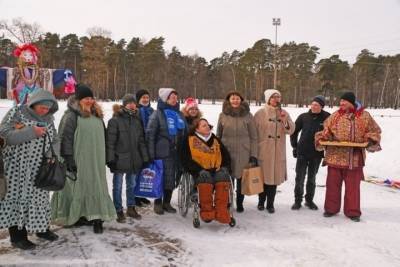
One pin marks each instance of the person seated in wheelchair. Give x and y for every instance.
(207, 160)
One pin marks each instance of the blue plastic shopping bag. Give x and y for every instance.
(150, 181)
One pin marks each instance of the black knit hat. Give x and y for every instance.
(141, 93)
(231, 93)
(320, 99)
(128, 98)
(349, 96)
(83, 91)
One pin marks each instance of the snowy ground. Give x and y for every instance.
(286, 238)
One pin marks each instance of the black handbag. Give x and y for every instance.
(52, 173)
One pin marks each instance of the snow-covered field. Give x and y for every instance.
(286, 238)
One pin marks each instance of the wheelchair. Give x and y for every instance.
(188, 197)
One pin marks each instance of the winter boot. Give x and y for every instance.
(239, 202)
(121, 217)
(138, 202)
(221, 202)
(97, 226)
(261, 200)
(131, 212)
(48, 235)
(296, 205)
(355, 218)
(167, 202)
(311, 205)
(158, 207)
(19, 238)
(207, 211)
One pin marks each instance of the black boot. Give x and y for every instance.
(138, 202)
(311, 205)
(19, 238)
(158, 207)
(97, 226)
(239, 196)
(271, 192)
(167, 202)
(239, 203)
(261, 200)
(48, 235)
(296, 205)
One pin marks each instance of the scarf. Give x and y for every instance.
(145, 112)
(174, 121)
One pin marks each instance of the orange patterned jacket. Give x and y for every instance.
(355, 126)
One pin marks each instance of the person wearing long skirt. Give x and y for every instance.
(82, 134)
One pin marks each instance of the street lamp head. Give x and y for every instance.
(276, 21)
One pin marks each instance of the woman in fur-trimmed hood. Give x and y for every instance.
(237, 131)
(83, 148)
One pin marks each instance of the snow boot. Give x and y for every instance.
(207, 211)
(311, 205)
(296, 205)
(167, 202)
(158, 207)
(221, 202)
(19, 238)
(48, 235)
(131, 212)
(121, 217)
(239, 202)
(97, 226)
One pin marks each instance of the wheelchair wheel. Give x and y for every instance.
(183, 194)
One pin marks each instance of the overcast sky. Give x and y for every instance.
(210, 27)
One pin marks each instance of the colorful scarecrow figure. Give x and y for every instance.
(27, 77)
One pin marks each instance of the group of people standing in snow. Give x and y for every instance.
(183, 139)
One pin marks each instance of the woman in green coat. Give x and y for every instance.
(82, 135)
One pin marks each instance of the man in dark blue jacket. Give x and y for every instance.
(308, 159)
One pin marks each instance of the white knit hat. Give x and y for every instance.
(270, 92)
(164, 93)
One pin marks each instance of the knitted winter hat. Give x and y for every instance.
(83, 91)
(128, 98)
(350, 97)
(231, 93)
(320, 99)
(141, 93)
(164, 93)
(269, 93)
(190, 102)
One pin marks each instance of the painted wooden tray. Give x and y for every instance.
(347, 144)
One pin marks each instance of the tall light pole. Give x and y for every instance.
(276, 22)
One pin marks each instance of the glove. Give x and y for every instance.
(294, 152)
(112, 165)
(253, 161)
(205, 176)
(71, 166)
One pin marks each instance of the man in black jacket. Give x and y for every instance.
(308, 159)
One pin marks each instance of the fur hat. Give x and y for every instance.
(141, 93)
(350, 97)
(128, 98)
(231, 93)
(320, 99)
(269, 93)
(190, 102)
(83, 91)
(164, 93)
